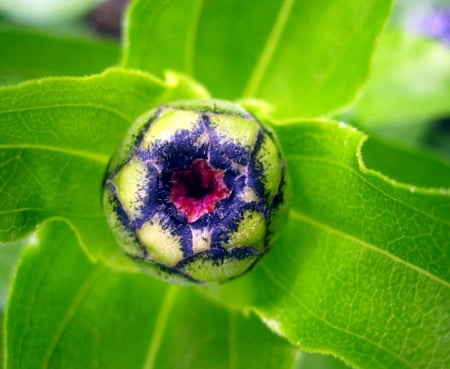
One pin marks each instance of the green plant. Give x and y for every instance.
(360, 271)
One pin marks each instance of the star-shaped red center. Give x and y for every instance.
(197, 190)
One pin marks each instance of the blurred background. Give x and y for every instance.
(71, 16)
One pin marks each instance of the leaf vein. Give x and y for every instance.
(161, 322)
(71, 311)
(56, 213)
(232, 340)
(320, 318)
(361, 176)
(103, 159)
(191, 38)
(108, 109)
(302, 217)
(269, 48)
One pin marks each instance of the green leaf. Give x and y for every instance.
(27, 54)
(57, 137)
(314, 361)
(409, 83)
(76, 314)
(9, 255)
(361, 271)
(406, 165)
(306, 58)
(1, 341)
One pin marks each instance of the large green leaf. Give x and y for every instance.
(362, 269)
(66, 312)
(27, 54)
(57, 137)
(304, 57)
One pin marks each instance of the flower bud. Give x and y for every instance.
(196, 191)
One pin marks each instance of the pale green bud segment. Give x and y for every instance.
(127, 239)
(235, 129)
(168, 124)
(269, 157)
(250, 232)
(160, 242)
(131, 183)
(203, 269)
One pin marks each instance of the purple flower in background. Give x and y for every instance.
(434, 23)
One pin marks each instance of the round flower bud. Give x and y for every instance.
(196, 191)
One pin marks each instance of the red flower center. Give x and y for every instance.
(197, 190)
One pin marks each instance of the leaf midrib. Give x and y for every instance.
(161, 323)
(232, 340)
(363, 178)
(106, 108)
(71, 311)
(102, 159)
(191, 39)
(55, 213)
(301, 216)
(304, 218)
(269, 48)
